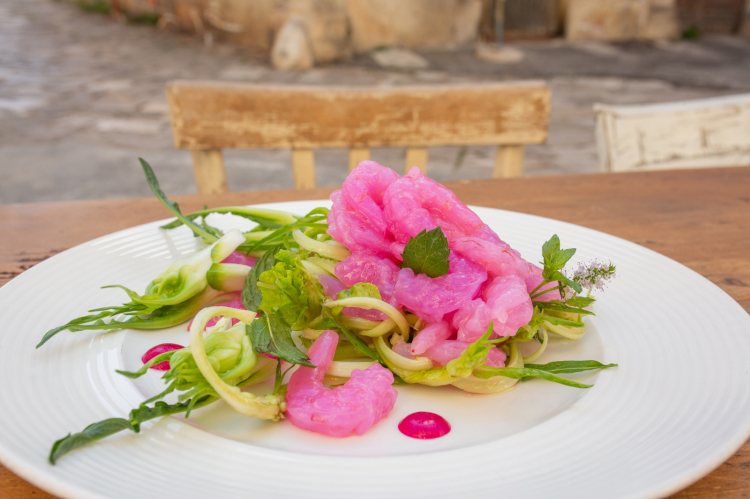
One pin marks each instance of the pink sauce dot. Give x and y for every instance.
(158, 350)
(424, 425)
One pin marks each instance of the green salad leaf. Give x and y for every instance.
(251, 294)
(289, 290)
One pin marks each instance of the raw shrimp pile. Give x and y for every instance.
(398, 283)
(376, 213)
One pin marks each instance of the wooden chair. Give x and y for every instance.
(210, 116)
(688, 134)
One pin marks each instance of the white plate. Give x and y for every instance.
(677, 407)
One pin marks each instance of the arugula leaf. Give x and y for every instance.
(522, 373)
(427, 253)
(167, 316)
(102, 429)
(545, 371)
(251, 295)
(171, 205)
(270, 333)
(570, 366)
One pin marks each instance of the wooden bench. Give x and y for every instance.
(688, 134)
(210, 116)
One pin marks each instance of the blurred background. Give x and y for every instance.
(82, 82)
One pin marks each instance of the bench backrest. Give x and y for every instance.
(688, 134)
(210, 116)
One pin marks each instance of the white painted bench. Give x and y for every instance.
(688, 134)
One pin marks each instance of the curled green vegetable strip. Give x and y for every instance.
(374, 304)
(187, 277)
(394, 359)
(496, 384)
(333, 251)
(248, 404)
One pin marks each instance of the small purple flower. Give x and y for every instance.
(593, 275)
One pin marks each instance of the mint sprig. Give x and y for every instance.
(270, 334)
(427, 253)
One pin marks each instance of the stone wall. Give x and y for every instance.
(745, 26)
(334, 29)
(618, 20)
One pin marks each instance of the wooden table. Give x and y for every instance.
(700, 218)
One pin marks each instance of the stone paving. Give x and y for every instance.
(82, 96)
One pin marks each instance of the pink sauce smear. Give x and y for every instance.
(424, 426)
(158, 350)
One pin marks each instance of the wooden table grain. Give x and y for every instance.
(700, 218)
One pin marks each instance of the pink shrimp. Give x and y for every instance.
(498, 258)
(431, 335)
(414, 203)
(351, 408)
(372, 269)
(432, 298)
(356, 218)
(505, 302)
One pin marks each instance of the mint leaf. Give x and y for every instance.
(580, 301)
(269, 333)
(427, 253)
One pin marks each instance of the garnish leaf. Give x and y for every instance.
(427, 253)
(289, 291)
(561, 307)
(570, 366)
(251, 295)
(270, 334)
(522, 373)
(102, 429)
(545, 371)
(580, 301)
(171, 205)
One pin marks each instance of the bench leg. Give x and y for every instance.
(357, 154)
(508, 162)
(416, 156)
(208, 167)
(303, 167)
